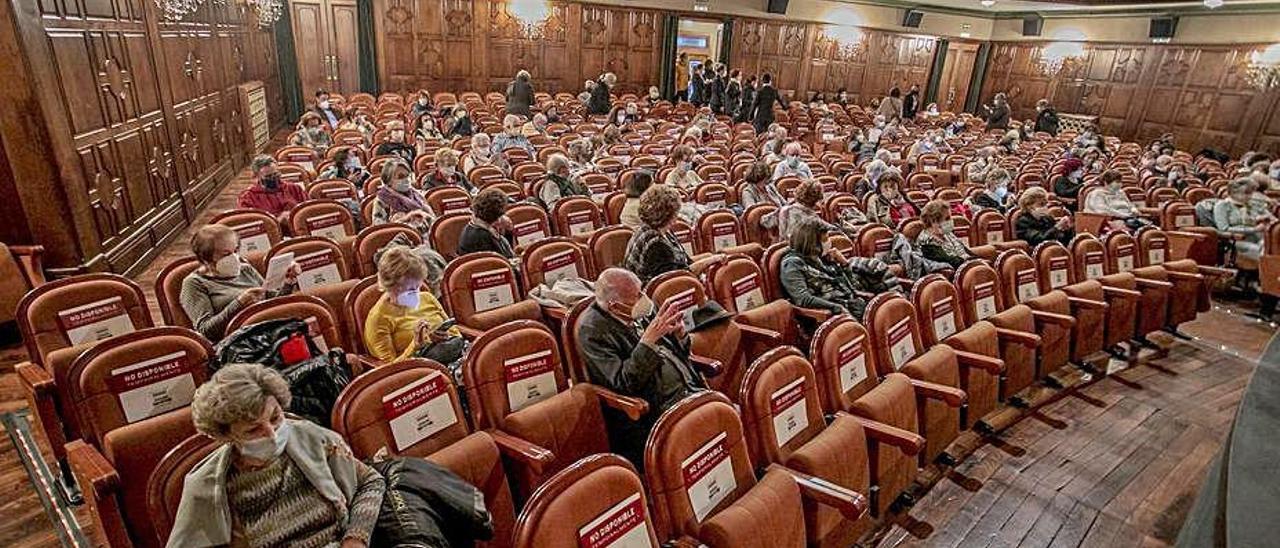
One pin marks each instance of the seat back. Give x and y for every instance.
(323, 324)
(325, 218)
(979, 288)
(598, 501)
(168, 289)
(445, 232)
(781, 409)
(696, 463)
(1054, 264)
(937, 305)
(332, 189)
(321, 259)
(478, 283)
(553, 259)
(409, 408)
(134, 451)
(843, 362)
(1153, 246)
(372, 239)
(1122, 252)
(752, 227)
(164, 487)
(717, 231)
(529, 223)
(989, 227)
(892, 330)
(81, 310)
(257, 229)
(875, 240)
(1019, 278)
(133, 377)
(359, 300)
(737, 283)
(772, 264)
(576, 216)
(1089, 257)
(509, 368)
(444, 200)
(609, 247)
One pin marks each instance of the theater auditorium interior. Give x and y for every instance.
(639, 273)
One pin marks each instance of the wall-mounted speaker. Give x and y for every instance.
(777, 6)
(911, 18)
(1163, 27)
(1032, 25)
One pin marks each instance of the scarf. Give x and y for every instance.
(396, 202)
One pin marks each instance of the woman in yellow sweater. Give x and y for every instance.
(407, 316)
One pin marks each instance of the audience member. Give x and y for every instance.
(1036, 224)
(636, 186)
(269, 192)
(397, 200)
(804, 208)
(328, 112)
(395, 143)
(937, 240)
(446, 172)
(1046, 117)
(560, 182)
(512, 137)
(998, 112)
(520, 94)
(815, 274)
(683, 175)
(481, 154)
(792, 165)
(223, 284)
(996, 194)
(1236, 215)
(889, 206)
(311, 134)
(654, 249)
(599, 103)
(490, 228)
(407, 318)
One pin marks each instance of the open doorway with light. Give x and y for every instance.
(698, 41)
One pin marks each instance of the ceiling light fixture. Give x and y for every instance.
(988, 3)
(1213, 3)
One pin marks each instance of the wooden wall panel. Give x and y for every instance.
(1140, 91)
(140, 119)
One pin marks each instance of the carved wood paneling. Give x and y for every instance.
(1140, 91)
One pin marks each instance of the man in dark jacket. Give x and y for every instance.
(717, 90)
(762, 108)
(748, 97)
(632, 352)
(1046, 117)
(998, 113)
(520, 94)
(599, 103)
(327, 111)
(733, 94)
(698, 87)
(911, 103)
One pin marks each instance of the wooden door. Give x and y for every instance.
(344, 46)
(957, 72)
(309, 45)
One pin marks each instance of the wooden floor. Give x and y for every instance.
(1119, 466)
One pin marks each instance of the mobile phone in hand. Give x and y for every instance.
(446, 325)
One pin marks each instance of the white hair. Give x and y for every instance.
(612, 283)
(555, 162)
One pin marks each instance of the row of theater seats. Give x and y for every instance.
(883, 389)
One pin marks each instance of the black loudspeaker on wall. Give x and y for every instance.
(1032, 25)
(777, 6)
(1163, 27)
(911, 18)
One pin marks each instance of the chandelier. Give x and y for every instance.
(848, 39)
(1263, 71)
(268, 11)
(1057, 54)
(530, 16)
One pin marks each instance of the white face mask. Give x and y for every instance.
(324, 104)
(409, 299)
(948, 226)
(267, 448)
(227, 266)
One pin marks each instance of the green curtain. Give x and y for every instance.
(726, 38)
(935, 73)
(368, 54)
(287, 63)
(979, 76)
(667, 79)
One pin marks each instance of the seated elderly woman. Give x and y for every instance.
(490, 228)
(803, 208)
(816, 275)
(560, 182)
(223, 284)
(397, 200)
(761, 190)
(976, 170)
(396, 143)
(446, 172)
(791, 164)
(683, 176)
(889, 205)
(275, 480)
(311, 134)
(407, 318)
(937, 241)
(653, 249)
(1036, 225)
(1110, 200)
(346, 165)
(512, 136)
(1069, 181)
(636, 186)
(482, 155)
(581, 156)
(996, 195)
(1239, 215)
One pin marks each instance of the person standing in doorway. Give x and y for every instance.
(762, 107)
(682, 77)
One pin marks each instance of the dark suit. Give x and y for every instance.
(599, 102)
(762, 107)
(748, 97)
(733, 98)
(699, 89)
(717, 95)
(519, 98)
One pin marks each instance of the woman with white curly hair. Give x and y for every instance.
(275, 481)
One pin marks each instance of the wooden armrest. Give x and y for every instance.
(558, 313)
(953, 397)
(864, 294)
(1179, 275)
(905, 283)
(685, 541)
(1087, 303)
(851, 504)
(909, 442)
(707, 366)
(1120, 292)
(1029, 340)
(632, 406)
(533, 456)
(1154, 284)
(30, 257)
(813, 313)
(469, 333)
(92, 470)
(360, 363)
(1197, 236)
(760, 334)
(1059, 319)
(35, 377)
(995, 366)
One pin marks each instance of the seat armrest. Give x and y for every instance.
(1050, 317)
(995, 366)
(909, 442)
(685, 541)
(31, 257)
(760, 334)
(361, 363)
(1179, 275)
(953, 397)
(707, 366)
(1087, 303)
(1029, 340)
(34, 377)
(1215, 271)
(558, 313)
(1120, 292)
(1197, 236)
(92, 470)
(633, 407)
(1154, 284)
(469, 333)
(531, 455)
(38, 385)
(812, 313)
(851, 504)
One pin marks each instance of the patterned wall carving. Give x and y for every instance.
(1140, 91)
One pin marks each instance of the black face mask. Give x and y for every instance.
(271, 182)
